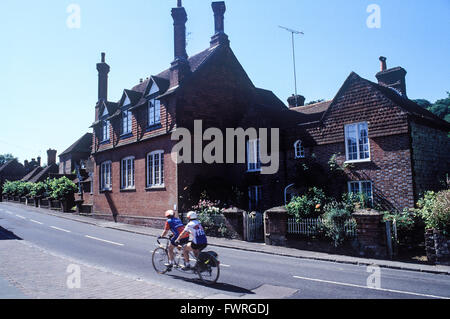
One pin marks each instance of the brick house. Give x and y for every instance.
(136, 179)
(394, 150)
(390, 142)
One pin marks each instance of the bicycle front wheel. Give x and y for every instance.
(159, 259)
(209, 271)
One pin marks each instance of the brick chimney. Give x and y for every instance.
(51, 157)
(180, 66)
(394, 78)
(39, 161)
(296, 100)
(219, 37)
(103, 70)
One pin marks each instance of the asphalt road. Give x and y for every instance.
(243, 273)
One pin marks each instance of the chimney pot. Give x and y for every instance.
(180, 66)
(103, 70)
(383, 63)
(51, 157)
(219, 37)
(296, 100)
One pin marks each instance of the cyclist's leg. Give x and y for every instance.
(186, 250)
(170, 253)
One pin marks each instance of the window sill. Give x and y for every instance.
(153, 127)
(103, 191)
(105, 142)
(254, 171)
(128, 190)
(126, 135)
(358, 161)
(156, 188)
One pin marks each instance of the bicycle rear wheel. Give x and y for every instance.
(159, 259)
(209, 271)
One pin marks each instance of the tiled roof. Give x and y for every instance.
(30, 175)
(313, 112)
(83, 145)
(43, 174)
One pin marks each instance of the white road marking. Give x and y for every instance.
(9, 213)
(60, 229)
(224, 265)
(103, 240)
(21, 217)
(365, 287)
(36, 222)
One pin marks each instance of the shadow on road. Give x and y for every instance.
(7, 235)
(219, 286)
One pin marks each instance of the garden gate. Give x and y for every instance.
(254, 226)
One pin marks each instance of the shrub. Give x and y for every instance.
(434, 208)
(62, 189)
(39, 189)
(23, 188)
(405, 220)
(211, 217)
(353, 201)
(8, 188)
(336, 220)
(308, 205)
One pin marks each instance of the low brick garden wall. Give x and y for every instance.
(437, 246)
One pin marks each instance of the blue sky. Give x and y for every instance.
(48, 77)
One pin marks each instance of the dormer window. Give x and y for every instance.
(154, 112)
(299, 149)
(126, 122)
(105, 130)
(154, 105)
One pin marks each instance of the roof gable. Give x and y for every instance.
(82, 145)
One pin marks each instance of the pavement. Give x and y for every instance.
(258, 247)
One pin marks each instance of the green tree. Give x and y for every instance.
(440, 108)
(5, 158)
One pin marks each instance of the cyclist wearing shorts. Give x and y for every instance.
(198, 242)
(175, 225)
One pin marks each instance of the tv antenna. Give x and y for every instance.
(293, 33)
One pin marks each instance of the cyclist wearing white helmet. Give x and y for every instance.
(198, 242)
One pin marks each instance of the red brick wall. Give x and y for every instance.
(431, 157)
(389, 170)
(141, 202)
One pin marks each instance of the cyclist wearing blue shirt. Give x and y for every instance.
(198, 242)
(175, 225)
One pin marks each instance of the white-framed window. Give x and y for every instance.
(154, 112)
(105, 130)
(126, 122)
(253, 156)
(299, 149)
(155, 169)
(105, 176)
(357, 144)
(364, 187)
(127, 173)
(254, 196)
